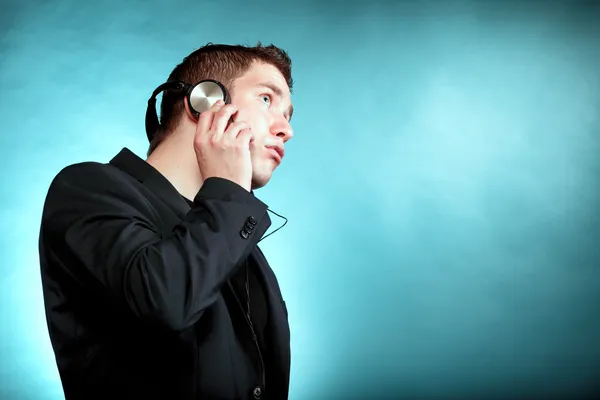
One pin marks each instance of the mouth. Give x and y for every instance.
(277, 152)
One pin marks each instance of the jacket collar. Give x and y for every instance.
(147, 175)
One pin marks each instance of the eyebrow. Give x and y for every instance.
(279, 93)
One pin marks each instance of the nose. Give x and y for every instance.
(282, 129)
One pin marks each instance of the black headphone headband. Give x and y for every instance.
(200, 97)
(152, 123)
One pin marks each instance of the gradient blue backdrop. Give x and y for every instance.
(442, 186)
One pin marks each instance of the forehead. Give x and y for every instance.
(261, 74)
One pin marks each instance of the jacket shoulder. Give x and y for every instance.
(89, 173)
(91, 190)
(90, 183)
(91, 178)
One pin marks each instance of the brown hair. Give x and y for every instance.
(224, 63)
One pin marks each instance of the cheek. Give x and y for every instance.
(257, 118)
(249, 116)
(259, 125)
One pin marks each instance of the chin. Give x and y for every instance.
(259, 183)
(260, 180)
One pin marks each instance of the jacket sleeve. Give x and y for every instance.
(100, 231)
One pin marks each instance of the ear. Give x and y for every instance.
(188, 111)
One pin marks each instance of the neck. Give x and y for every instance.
(175, 159)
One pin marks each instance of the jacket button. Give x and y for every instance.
(257, 392)
(244, 234)
(252, 220)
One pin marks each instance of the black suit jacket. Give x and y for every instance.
(137, 287)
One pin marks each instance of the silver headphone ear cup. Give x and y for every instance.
(204, 94)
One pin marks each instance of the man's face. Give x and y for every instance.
(263, 101)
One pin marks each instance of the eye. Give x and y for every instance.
(266, 98)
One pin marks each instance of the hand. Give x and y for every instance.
(223, 148)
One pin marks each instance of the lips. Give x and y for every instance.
(277, 151)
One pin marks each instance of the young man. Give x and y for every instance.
(153, 283)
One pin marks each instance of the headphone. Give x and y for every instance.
(199, 97)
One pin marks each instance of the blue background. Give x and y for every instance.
(442, 187)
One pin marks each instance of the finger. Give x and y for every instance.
(216, 106)
(206, 118)
(222, 119)
(246, 136)
(234, 129)
(204, 123)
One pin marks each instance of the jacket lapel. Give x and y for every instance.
(278, 327)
